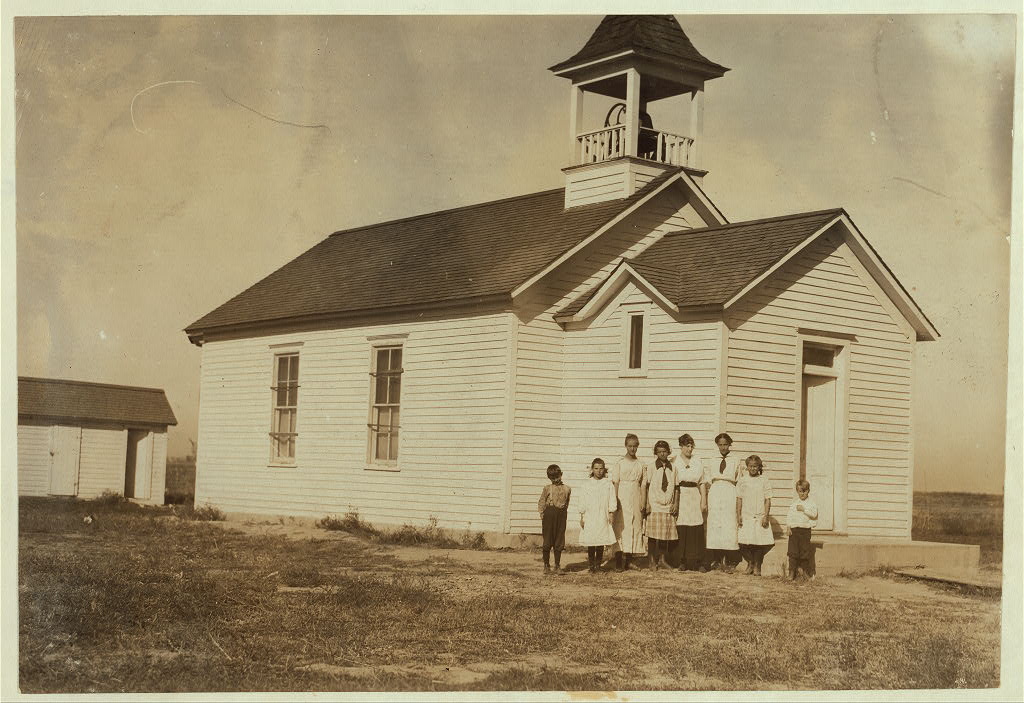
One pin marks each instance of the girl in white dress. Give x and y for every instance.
(722, 475)
(753, 505)
(597, 507)
(629, 475)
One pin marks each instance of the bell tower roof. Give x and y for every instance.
(657, 38)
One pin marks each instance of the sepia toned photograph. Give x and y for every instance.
(598, 355)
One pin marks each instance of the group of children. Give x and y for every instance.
(713, 508)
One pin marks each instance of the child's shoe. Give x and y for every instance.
(547, 570)
(750, 569)
(757, 570)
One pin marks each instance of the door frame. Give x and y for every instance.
(841, 372)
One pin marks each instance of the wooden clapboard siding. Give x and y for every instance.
(451, 464)
(826, 289)
(595, 186)
(33, 459)
(101, 465)
(543, 365)
(679, 392)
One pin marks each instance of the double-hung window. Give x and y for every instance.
(386, 391)
(285, 392)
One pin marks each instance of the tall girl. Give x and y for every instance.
(629, 475)
(753, 506)
(662, 505)
(722, 475)
(597, 507)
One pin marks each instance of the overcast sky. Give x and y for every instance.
(164, 164)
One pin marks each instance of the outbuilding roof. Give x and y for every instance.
(470, 253)
(708, 266)
(99, 402)
(644, 34)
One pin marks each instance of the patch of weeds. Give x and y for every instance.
(429, 535)
(178, 498)
(390, 594)
(206, 513)
(350, 522)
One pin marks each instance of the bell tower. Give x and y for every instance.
(633, 61)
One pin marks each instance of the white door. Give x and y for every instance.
(818, 453)
(139, 475)
(65, 449)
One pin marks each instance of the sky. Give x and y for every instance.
(166, 163)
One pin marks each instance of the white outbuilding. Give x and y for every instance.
(85, 439)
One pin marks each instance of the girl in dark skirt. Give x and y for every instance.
(801, 517)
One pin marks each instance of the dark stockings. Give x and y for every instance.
(595, 555)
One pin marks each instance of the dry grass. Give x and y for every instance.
(429, 535)
(140, 600)
(965, 518)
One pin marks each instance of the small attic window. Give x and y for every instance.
(635, 343)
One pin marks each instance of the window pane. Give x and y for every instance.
(395, 388)
(394, 419)
(290, 448)
(636, 338)
(396, 359)
(394, 446)
(383, 418)
(291, 425)
(293, 376)
(382, 446)
(282, 396)
(293, 396)
(382, 360)
(282, 370)
(381, 395)
(819, 356)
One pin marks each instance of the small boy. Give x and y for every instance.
(554, 507)
(801, 517)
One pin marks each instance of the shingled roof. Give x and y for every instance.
(97, 402)
(471, 253)
(708, 266)
(644, 34)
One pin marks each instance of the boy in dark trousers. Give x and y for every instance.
(553, 507)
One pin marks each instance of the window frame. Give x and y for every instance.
(373, 428)
(282, 352)
(627, 347)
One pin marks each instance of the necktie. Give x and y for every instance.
(721, 467)
(664, 479)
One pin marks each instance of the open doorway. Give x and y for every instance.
(823, 431)
(138, 474)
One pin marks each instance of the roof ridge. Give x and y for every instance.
(445, 211)
(761, 220)
(93, 384)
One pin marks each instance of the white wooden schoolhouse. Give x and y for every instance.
(85, 439)
(434, 366)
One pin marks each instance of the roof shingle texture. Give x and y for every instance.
(443, 257)
(660, 34)
(79, 400)
(708, 266)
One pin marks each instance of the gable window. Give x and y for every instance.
(385, 402)
(285, 393)
(635, 342)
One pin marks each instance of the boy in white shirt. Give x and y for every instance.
(801, 517)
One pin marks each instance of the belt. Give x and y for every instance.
(688, 484)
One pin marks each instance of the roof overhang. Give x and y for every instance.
(705, 208)
(875, 267)
(611, 286)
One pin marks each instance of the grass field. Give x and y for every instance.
(141, 600)
(966, 518)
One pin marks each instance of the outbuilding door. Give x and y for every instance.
(138, 478)
(65, 451)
